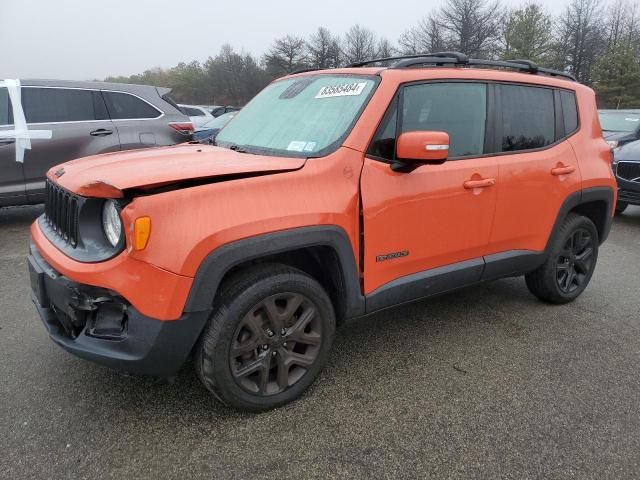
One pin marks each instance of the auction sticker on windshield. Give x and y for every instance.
(342, 90)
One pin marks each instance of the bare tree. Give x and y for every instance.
(359, 45)
(471, 26)
(425, 37)
(323, 49)
(385, 48)
(287, 54)
(579, 38)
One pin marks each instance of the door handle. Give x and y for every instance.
(101, 132)
(482, 183)
(563, 170)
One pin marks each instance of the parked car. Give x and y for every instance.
(198, 115)
(84, 118)
(208, 131)
(216, 112)
(627, 170)
(620, 126)
(332, 195)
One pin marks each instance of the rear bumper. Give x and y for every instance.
(100, 326)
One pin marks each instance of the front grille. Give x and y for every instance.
(629, 171)
(61, 212)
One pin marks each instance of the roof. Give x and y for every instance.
(125, 87)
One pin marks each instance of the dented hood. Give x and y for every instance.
(109, 175)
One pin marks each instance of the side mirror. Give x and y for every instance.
(415, 148)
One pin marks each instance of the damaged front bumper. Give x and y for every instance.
(101, 326)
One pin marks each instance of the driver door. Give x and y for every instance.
(426, 231)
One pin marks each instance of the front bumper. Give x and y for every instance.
(628, 191)
(99, 325)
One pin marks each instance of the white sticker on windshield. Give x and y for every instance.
(632, 119)
(342, 90)
(297, 146)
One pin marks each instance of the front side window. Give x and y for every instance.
(528, 117)
(44, 105)
(6, 117)
(460, 109)
(123, 106)
(304, 116)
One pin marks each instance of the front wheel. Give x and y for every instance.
(268, 338)
(572, 260)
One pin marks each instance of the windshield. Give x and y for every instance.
(220, 121)
(620, 121)
(305, 116)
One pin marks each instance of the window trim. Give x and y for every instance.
(99, 90)
(493, 107)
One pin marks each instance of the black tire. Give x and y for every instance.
(621, 207)
(242, 309)
(553, 282)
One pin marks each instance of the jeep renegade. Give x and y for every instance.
(332, 195)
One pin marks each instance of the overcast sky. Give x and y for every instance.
(85, 39)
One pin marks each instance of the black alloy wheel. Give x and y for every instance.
(275, 343)
(575, 262)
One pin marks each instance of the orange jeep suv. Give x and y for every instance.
(333, 194)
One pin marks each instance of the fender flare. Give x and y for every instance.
(221, 260)
(581, 197)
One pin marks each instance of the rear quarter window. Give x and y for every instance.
(123, 106)
(569, 111)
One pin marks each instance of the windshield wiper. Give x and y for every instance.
(236, 148)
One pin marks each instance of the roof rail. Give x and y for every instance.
(460, 59)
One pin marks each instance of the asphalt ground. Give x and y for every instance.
(486, 382)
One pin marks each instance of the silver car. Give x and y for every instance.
(83, 118)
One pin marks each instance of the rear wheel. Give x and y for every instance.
(268, 338)
(571, 262)
(621, 207)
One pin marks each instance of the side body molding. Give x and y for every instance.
(223, 259)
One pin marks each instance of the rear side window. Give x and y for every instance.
(123, 106)
(43, 105)
(528, 117)
(6, 117)
(569, 110)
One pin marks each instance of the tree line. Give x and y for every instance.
(597, 42)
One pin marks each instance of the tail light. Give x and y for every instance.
(186, 128)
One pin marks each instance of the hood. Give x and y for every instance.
(629, 152)
(109, 175)
(613, 135)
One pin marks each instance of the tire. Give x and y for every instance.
(621, 207)
(571, 253)
(243, 361)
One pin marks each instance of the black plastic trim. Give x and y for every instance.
(147, 346)
(511, 263)
(425, 284)
(223, 259)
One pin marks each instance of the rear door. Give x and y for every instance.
(79, 124)
(136, 120)
(11, 173)
(538, 167)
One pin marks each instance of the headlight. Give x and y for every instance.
(111, 223)
(613, 143)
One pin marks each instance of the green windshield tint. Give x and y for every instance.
(304, 116)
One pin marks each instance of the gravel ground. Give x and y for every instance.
(483, 383)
